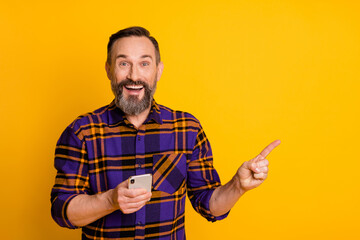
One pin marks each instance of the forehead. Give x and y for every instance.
(133, 47)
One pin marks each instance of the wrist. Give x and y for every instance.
(108, 198)
(237, 185)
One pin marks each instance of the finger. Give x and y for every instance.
(257, 169)
(263, 170)
(124, 184)
(128, 203)
(137, 204)
(262, 163)
(253, 167)
(260, 176)
(131, 210)
(144, 197)
(130, 207)
(269, 148)
(133, 193)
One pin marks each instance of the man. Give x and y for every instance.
(134, 135)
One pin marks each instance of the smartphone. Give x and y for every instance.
(141, 181)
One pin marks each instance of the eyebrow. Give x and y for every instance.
(125, 56)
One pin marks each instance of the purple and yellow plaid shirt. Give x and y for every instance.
(101, 149)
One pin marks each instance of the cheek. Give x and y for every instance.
(151, 76)
(119, 75)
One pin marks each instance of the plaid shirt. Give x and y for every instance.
(101, 149)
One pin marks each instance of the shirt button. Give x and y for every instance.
(139, 223)
(137, 166)
(139, 138)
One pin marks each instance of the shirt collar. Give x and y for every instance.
(116, 115)
(154, 113)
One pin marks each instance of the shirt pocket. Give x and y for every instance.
(169, 172)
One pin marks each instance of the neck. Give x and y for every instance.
(138, 120)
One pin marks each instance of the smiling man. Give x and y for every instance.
(134, 135)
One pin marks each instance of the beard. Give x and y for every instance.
(132, 105)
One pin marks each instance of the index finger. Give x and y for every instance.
(269, 148)
(135, 192)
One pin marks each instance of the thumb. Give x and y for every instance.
(124, 184)
(253, 167)
(245, 169)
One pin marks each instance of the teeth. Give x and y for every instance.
(135, 87)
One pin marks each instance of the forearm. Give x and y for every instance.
(225, 197)
(85, 209)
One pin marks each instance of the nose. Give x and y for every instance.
(133, 73)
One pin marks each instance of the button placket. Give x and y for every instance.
(140, 218)
(140, 153)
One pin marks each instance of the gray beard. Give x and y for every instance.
(132, 105)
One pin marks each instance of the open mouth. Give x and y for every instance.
(134, 87)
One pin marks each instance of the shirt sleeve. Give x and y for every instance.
(202, 177)
(71, 163)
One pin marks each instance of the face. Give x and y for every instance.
(133, 73)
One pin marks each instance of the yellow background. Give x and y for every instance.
(250, 71)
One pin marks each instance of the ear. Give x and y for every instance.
(108, 70)
(160, 68)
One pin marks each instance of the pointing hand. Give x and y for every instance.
(254, 172)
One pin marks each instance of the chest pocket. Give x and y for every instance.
(169, 172)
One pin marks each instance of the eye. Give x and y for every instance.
(123, 64)
(144, 64)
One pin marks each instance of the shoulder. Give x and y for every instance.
(170, 115)
(98, 117)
